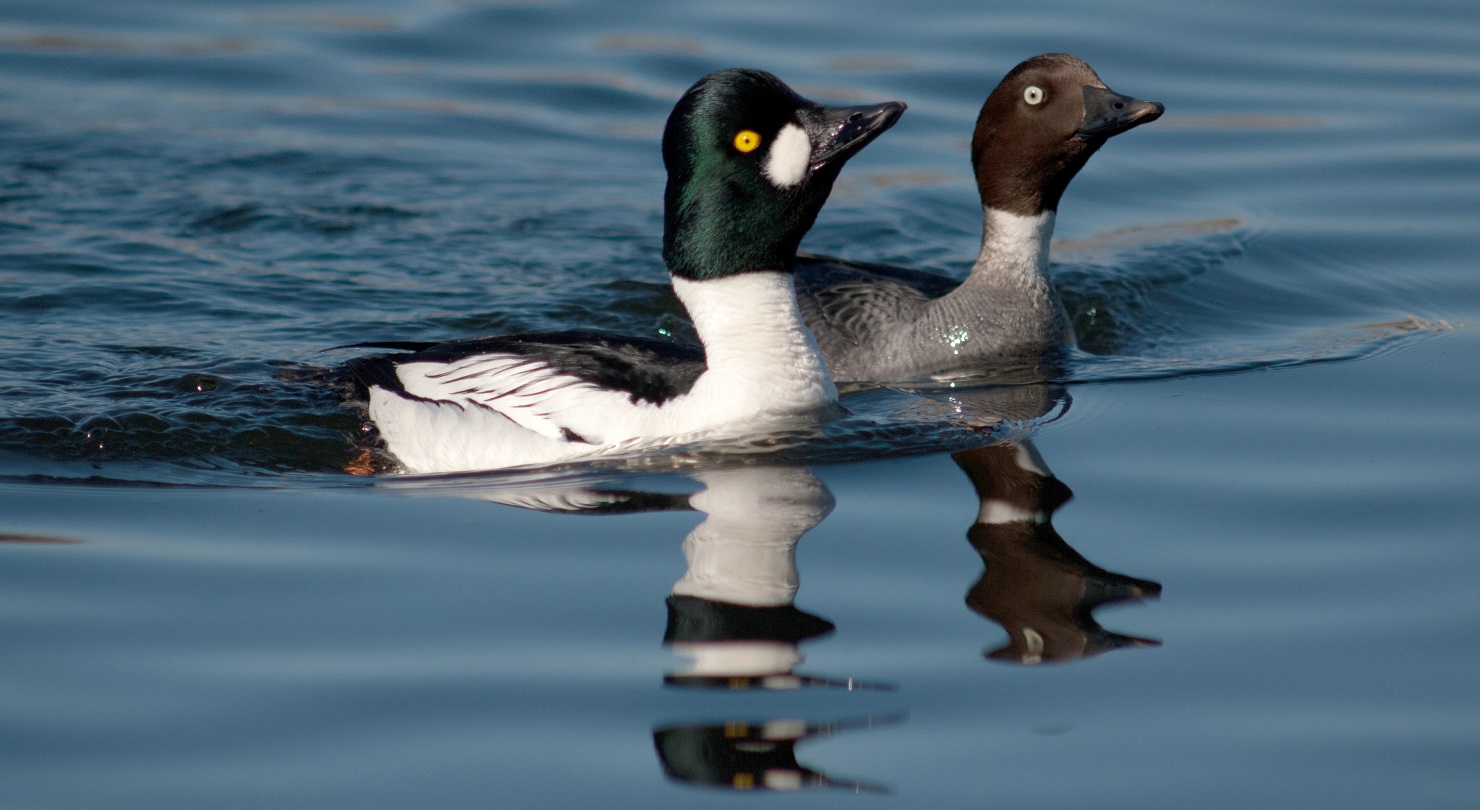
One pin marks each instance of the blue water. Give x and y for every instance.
(1262, 592)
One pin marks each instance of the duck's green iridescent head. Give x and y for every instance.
(750, 164)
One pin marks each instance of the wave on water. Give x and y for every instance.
(1329, 345)
(1161, 302)
(259, 424)
(217, 412)
(168, 285)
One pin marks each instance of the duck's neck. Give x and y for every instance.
(1014, 250)
(754, 339)
(1007, 306)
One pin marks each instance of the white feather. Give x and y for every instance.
(526, 391)
(501, 410)
(442, 436)
(1015, 245)
(788, 158)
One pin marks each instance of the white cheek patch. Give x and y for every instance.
(790, 154)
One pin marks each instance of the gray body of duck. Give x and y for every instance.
(877, 323)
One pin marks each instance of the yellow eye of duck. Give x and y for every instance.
(746, 140)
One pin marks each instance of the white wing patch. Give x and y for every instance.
(789, 157)
(529, 392)
(497, 410)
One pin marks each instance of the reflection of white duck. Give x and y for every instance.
(731, 614)
(754, 755)
(743, 551)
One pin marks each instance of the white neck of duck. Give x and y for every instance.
(1007, 304)
(757, 350)
(1014, 249)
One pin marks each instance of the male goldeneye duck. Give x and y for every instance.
(1035, 132)
(750, 163)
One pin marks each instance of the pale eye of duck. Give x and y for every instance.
(1033, 95)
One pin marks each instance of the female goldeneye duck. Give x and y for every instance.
(750, 163)
(1035, 132)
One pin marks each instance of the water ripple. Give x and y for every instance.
(191, 211)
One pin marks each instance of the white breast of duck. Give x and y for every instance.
(497, 409)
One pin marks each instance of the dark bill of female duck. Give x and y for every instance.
(1108, 113)
(750, 163)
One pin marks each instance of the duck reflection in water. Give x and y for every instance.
(1035, 585)
(741, 755)
(1038, 588)
(732, 618)
(732, 615)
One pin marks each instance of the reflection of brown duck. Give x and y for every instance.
(1040, 590)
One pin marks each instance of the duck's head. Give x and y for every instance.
(1040, 126)
(750, 164)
